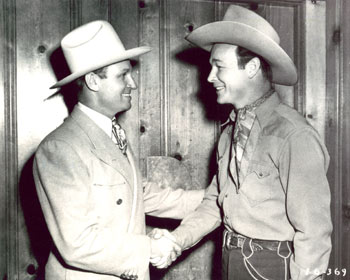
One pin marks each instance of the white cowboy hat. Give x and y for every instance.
(247, 29)
(92, 46)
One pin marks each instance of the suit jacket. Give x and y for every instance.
(94, 205)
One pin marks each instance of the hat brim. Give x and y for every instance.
(111, 60)
(229, 32)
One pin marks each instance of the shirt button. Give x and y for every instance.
(226, 195)
(119, 201)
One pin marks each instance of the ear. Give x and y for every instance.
(253, 67)
(92, 81)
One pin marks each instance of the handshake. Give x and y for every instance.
(164, 249)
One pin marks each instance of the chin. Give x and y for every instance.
(125, 108)
(221, 100)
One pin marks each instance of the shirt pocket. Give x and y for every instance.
(257, 186)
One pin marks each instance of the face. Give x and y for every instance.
(228, 79)
(114, 93)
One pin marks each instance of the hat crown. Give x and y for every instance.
(92, 42)
(92, 46)
(247, 17)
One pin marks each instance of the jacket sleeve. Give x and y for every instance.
(63, 183)
(202, 221)
(169, 203)
(303, 165)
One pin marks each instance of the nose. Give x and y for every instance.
(131, 83)
(212, 76)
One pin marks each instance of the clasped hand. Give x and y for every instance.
(164, 249)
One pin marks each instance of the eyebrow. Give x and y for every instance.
(215, 60)
(126, 69)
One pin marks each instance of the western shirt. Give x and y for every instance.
(283, 194)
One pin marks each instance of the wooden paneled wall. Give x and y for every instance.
(174, 110)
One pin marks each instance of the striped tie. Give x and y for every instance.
(119, 136)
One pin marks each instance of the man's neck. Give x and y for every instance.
(255, 92)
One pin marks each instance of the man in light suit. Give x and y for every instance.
(87, 182)
(270, 191)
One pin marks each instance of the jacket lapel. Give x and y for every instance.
(103, 146)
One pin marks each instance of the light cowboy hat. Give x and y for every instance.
(92, 46)
(247, 29)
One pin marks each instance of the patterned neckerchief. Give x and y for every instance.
(241, 113)
(244, 120)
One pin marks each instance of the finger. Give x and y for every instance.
(165, 265)
(161, 264)
(133, 274)
(126, 275)
(173, 256)
(151, 233)
(177, 248)
(130, 274)
(156, 233)
(155, 260)
(168, 235)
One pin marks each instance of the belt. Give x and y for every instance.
(233, 240)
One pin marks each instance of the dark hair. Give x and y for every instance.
(244, 56)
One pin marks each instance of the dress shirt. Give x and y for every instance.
(284, 193)
(99, 119)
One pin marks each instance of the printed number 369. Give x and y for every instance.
(336, 271)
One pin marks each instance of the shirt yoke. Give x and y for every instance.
(285, 121)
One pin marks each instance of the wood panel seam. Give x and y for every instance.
(11, 138)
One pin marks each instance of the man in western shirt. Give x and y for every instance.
(271, 183)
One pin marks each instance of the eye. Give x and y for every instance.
(123, 74)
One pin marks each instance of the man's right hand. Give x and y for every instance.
(164, 249)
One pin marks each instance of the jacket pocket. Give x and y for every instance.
(257, 185)
(109, 184)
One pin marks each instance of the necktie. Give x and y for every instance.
(119, 136)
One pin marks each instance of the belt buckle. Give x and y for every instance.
(228, 241)
(229, 238)
(240, 241)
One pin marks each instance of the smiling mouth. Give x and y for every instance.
(126, 94)
(219, 88)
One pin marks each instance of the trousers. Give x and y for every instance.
(251, 262)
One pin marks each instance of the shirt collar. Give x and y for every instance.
(99, 119)
(263, 111)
